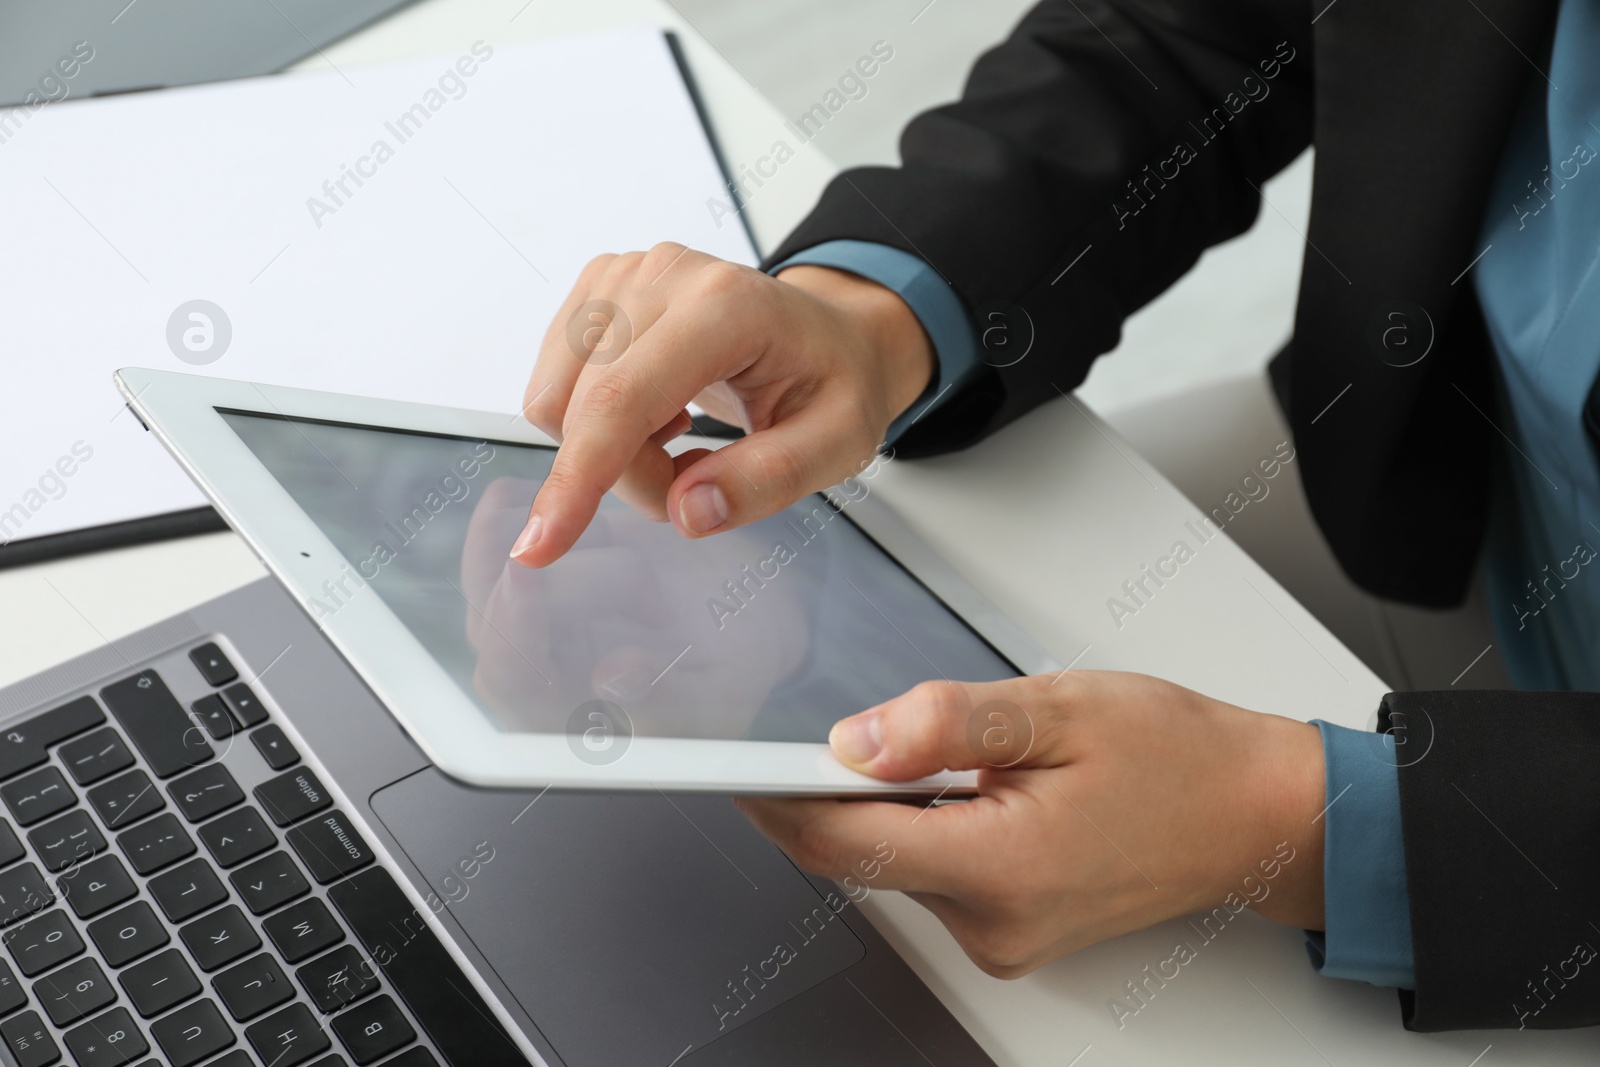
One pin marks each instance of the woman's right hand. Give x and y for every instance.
(814, 365)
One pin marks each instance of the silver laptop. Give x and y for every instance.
(53, 51)
(217, 848)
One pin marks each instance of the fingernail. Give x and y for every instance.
(529, 536)
(703, 508)
(857, 739)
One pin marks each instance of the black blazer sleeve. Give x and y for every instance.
(1500, 806)
(1045, 156)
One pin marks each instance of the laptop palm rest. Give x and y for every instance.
(631, 928)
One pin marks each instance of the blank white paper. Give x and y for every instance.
(481, 197)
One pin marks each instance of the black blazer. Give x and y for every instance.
(1091, 159)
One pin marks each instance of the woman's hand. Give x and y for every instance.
(814, 365)
(1109, 802)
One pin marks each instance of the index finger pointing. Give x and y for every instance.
(620, 407)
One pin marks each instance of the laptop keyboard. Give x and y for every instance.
(151, 911)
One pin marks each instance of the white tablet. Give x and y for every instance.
(640, 660)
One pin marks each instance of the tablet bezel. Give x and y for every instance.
(182, 410)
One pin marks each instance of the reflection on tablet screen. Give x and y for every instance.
(770, 632)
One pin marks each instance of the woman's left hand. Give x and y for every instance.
(1108, 802)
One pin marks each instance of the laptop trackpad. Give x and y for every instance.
(631, 928)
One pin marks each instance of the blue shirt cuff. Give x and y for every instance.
(935, 304)
(1368, 913)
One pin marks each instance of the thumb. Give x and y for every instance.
(938, 726)
(764, 472)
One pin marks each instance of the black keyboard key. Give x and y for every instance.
(289, 1038)
(303, 930)
(108, 1040)
(153, 845)
(23, 745)
(246, 708)
(128, 933)
(38, 796)
(219, 938)
(372, 1030)
(93, 756)
(12, 995)
(187, 890)
(156, 723)
(29, 1043)
(213, 664)
(275, 747)
(39, 944)
(125, 799)
(159, 982)
(70, 839)
(291, 797)
(423, 975)
(78, 989)
(258, 984)
(235, 837)
(335, 1060)
(11, 849)
(190, 1034)
(341, 977)
(23, 891)
(215, 717)
(329, 847)
(205, 792)
(269, 882)
(93, 887)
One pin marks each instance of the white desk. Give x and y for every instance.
(1048, 518)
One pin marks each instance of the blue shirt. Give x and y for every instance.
(1539, 287)
(1539, 284)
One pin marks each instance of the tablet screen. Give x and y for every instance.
(771, 632)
